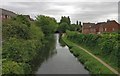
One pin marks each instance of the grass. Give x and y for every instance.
(105, 58)
(90, 63)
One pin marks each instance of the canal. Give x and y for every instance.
(62, 62)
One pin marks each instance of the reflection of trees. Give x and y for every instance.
(47, 51)
(61, 41)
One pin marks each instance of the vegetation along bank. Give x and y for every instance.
(108, 52)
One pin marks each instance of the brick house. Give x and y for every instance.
(5, 14)
(99, 27)
(88, 28)
(109, 26)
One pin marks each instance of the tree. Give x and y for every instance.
(12, 67)
(80, 27)
(22, 19)
(64, 24)
(47, 24)
(77, 23)
(63, 27)
(18, 27)
(73, 27)
(65, 19)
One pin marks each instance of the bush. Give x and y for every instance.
(94, 66)
(12, 28)
(48, 24)
(23, 43)
(11, 67)
(106, 46)
(19, 50)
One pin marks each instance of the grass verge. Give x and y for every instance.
(90, 63)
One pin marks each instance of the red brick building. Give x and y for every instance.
(109, 26)
(88, 28)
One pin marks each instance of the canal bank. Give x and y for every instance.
(95, 65)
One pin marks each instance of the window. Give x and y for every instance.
(113, 29)
(105, 29)
(6, 16)
(99, 32)
(1, 16)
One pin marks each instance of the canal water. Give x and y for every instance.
(62, 62)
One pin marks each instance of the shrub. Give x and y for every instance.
(11, 67)
(105, 45)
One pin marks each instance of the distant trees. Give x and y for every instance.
(65, 24)
(65, 19)
(75, 27)
(48, 24)
(79, 26)
(62, 27)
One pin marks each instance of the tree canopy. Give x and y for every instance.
(48, 24)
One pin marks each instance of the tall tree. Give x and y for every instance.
(69, 22)
(48, 24)
(63, 27)
(64, 24)
(65, 19)
(77, 23)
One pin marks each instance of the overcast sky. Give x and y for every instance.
(82, 10)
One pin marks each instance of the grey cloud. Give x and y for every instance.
(84, 11)
(54, 11)
(92, 11)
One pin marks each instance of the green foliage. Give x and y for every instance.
(62, 43)
(94, 66)
(48, 24)
(108, 43)
(24, 42)
(11, 67)
(63, 27)
(19, 50)
(15, 28)
(21, 42)
(22, 19)
(65, 20)
(36, 32)
(105, 45)
(74, 27)
(65, 24)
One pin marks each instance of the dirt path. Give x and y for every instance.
(101, 61)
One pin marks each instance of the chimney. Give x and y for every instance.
(108, 20)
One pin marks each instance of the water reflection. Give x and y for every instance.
(46, 52)
(61, 62)
(61, 41)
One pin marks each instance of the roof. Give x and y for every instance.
(7, 12)
(100, 24)
(88, 25)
